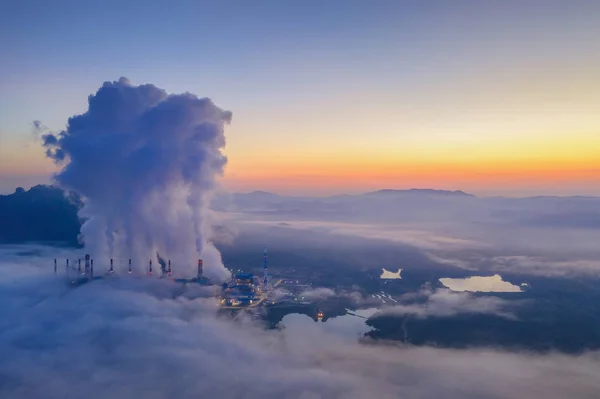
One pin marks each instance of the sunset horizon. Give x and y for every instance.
(300, 199)
(486, 98)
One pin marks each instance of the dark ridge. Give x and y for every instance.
(421, 191)
(262, 193)
(41, 214)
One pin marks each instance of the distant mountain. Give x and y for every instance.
(419, 191)
(260, 195)
(41, 214)
(265, 199)
(47, 214)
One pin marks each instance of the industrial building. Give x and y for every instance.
(241, 290)
(199, 279)
(244, 289)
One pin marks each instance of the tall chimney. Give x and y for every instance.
(79, 265)
(150, 267)
(200, 269)
(129, 265)
(169, 268)
(111, 270)
(54, 265)
(91, 268)
(265, 276)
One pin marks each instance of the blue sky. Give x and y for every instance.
(320, 83)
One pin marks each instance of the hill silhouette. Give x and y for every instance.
(41, 214)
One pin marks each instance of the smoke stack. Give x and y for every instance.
(129, 266)
(54, 265)
(111, 270)
(67, 266)
(265, 276)
(79, 265)
(87, 263)
(91, 268)
(150, 267)
(169, 268)
(200, 269)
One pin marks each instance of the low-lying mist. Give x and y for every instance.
(138, 337)
(545, 236)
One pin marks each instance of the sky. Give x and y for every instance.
(493, 98)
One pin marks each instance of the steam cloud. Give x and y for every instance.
(146, 163)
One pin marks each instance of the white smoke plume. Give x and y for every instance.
(146, 163)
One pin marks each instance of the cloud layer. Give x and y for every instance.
(498, 235)
(124, 338)
(446, 303)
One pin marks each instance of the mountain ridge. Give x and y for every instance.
(46, 213)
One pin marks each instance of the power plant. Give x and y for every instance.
(244, 289)
(240, 290)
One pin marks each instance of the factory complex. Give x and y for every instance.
(241, 290)
(245, 289)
